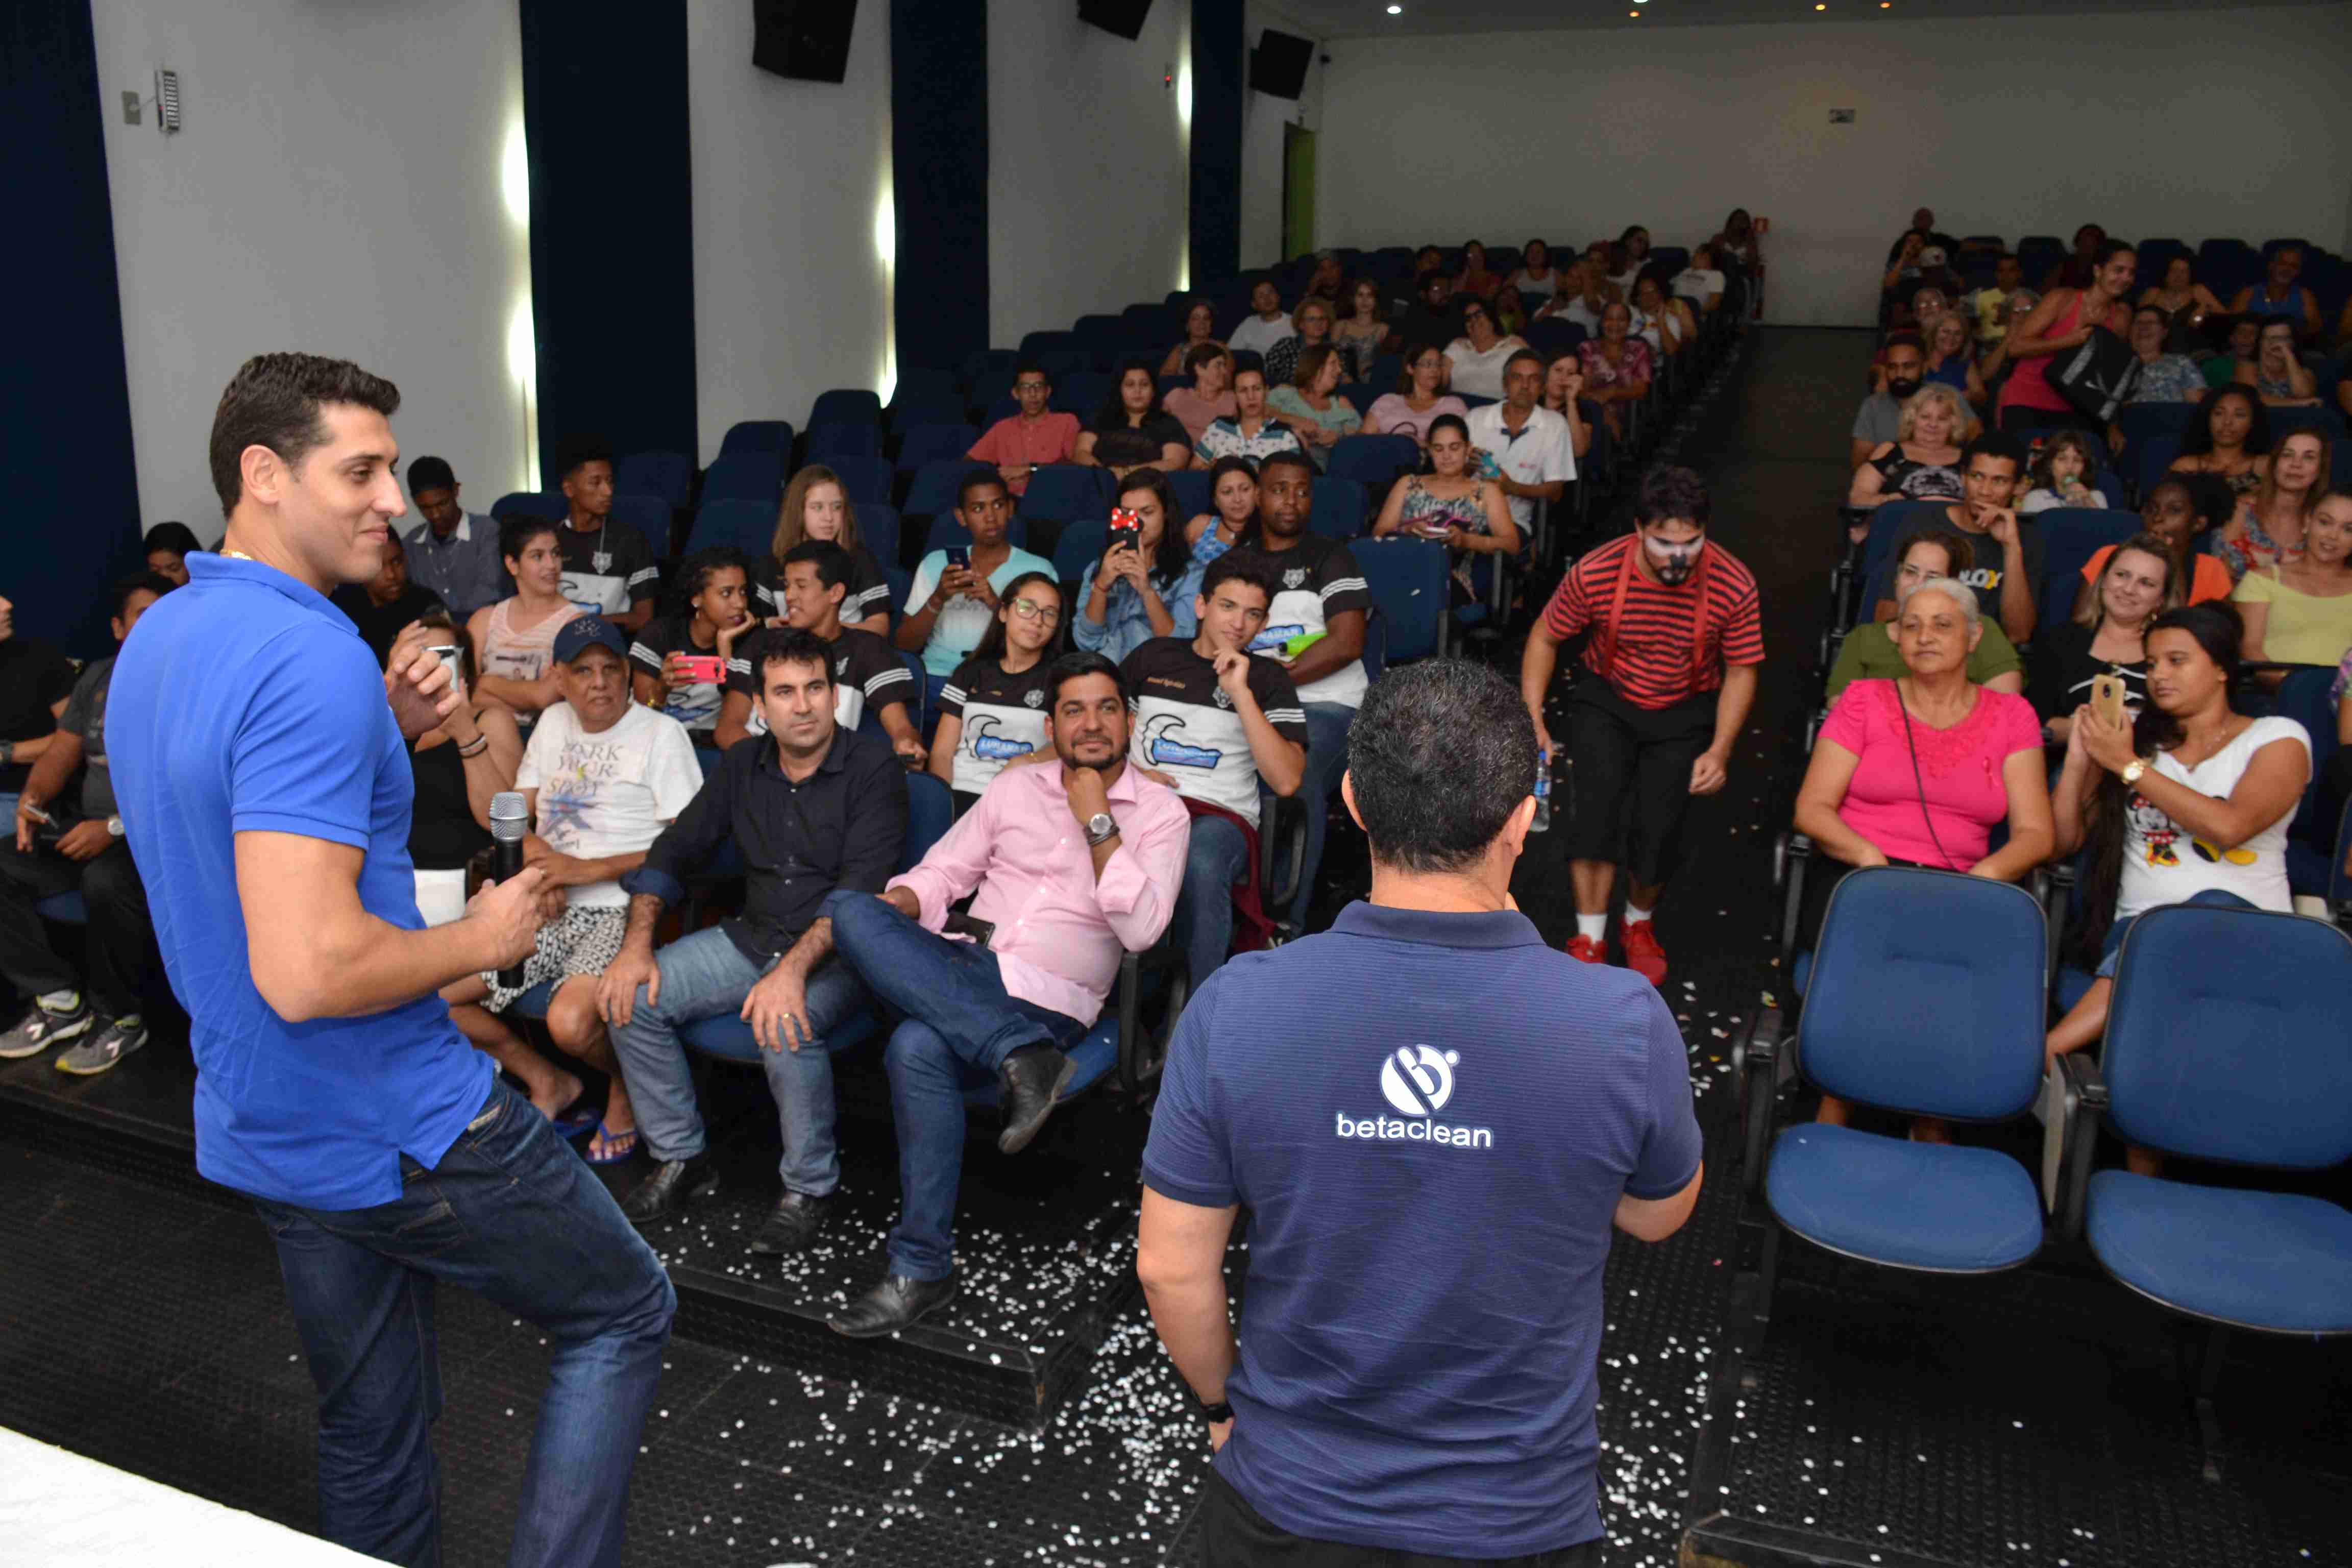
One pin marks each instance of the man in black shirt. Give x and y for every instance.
(605, 563)
(35, 682)
(811, 808)
(380, 608)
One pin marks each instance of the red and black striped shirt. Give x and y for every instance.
(1648, 655)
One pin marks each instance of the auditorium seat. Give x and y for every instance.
(1194, 496)
(846, 405)
(1408, 579)
(932, 491)
(906, 410)
(749, 526)
(2071, 535)
(878, 530)
(1080, 545)
(531, 503)
(669, 475)
(756, 436)
(750, 475)
(829, 441)
(1067, 492)
(1338, 511)
(1372, 459)
(939, 443)
(866, 479)
(649, 515)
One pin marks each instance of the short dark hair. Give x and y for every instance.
(1225, 569)
(1286, 458)
(273, 401)
(2109, 250)
(694, 573)
(1441, 753)
(517, 530)
(1075, 665)
(1906, 340)
(1994, 444)
(1528, 354)
(431, 474)
(155, 582)
(578, 451)
(974, 480)
(1203, 353)
(1031, 367)
(832, 562)
(792, 645)
(1668, 491)
(177, 537)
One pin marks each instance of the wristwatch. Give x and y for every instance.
(2133, 769)
(1100, 829)
(114, 826)
(1212, 1414)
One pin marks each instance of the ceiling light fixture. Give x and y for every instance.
(1396, 10)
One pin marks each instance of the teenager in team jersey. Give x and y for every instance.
(993, 708)
(867, 676)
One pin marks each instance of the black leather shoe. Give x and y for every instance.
(666, 1192)
(1032, 1079)
(793, 1225)
(892, 1306)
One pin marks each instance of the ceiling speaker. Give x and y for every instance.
(808, 40)
(1279, 65)
(1124, 17)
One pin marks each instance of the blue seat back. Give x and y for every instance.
(925, 409)
(1407, 580)
(1081, 391)
(2071, 535)
(923, 380)
(748, 525)
(531, 503)
(947, 532)
(1372, 459)
(846, 405)
(930, 812)
(669, 475)
(2228, 1038)
(756, 436)
(878, 530)
(2286, 422)
(745, 476)
(991, 388)
(2307, 696)
(933, 491)
(1080, 545)
(989, 361)
(1194, 496)
(649, 515)
(936, 443)
(1338, 507)
(866, 479)
(1554, 335)
(1927, 995)
(832, 440)
(2155, 455)
(1066, 493)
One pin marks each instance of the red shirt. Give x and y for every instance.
(1011, 442)
(1653, 649)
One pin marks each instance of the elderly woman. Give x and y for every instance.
(1479, 354)
(1919, 770)
(1311, 405)
(1870, 653)
(2105, 635)
(1313, 322)
(1923, 461)
(1617, 365)
(1952, 356)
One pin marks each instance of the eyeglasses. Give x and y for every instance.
(1031, 610)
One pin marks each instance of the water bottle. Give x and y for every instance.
(1543, 793)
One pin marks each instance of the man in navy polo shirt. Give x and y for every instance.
(265, 780)
(1433, 1175)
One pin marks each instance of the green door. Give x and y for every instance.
(1297, 190)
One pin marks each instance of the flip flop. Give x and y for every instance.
(576, 1119)
(610, 1157)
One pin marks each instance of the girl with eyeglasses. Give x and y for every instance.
(993, 708)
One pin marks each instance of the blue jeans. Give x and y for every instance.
(511, 1212)
(1202, 924)
(2211, 899)
(1327, 758)
(959, 1023)
(706, 975)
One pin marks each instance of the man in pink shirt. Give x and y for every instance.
(1073, 866)
(1020, 442)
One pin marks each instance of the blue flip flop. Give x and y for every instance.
(613, 1158)
(577, 1118)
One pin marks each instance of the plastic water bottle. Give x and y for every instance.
(1543, 793)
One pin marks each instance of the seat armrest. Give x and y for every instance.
(2074, 1099)
(1755, 1069)
(1792, 854)
(1143, 1046)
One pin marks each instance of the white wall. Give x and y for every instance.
(791, 296)
(1263, 119)
(1087, 164)
(2153, 128)
(336, 188)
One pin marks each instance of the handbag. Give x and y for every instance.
(2098, 378)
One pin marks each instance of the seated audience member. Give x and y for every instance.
(868, 676)
(1563, 386)
(715, 584)
(1130, 430)
(2189, 805)
(2083, 262)
(1987, 308)
(1454, 503)
(1329, 280)
(390, 600)
(2186, 303)
(1020, 443)
(1583, 294)
(1311, 405)
(1616, 367)
(1436, 315)
(457, 766)
(35, 679)
(1477, 280)
(2238, 346)
(1312, 320)
(1362, 334)
(1264, 326)
(1233, 502)
(1216, 721)
(1200, 327)
(168, 547)
(1701, 282)
(2178, 509)
(1073, 865)
(1535, 278)
(1922, 232)
(2230, 438)
(1922, 463)
(1992, 367)
(2278, 297)
(812, 808)
(993, 709)
(2298, 610)
(2106, 636)
(1209, 398)
(603, 777)
(607, 565)
(1533, 448)
(1140, 587)
(2278, 376)
(2270, 524)
(1918, 771)
(512, 639)
(453, 553)
(57, 851)
(2009, 546)
(816, 506)
(2062, 323)
(1872, 652)
(2164, 377)
(1619, 261)
(1668, 325)
(949, 606)
(1476, 358)
(1952, 359)
(1320, 600)
(1419, 397)
(1249, 431)
(2061, 475)
(1879, 420)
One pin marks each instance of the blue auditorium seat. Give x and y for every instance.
(758, 435)
(923, 444)
(1407, 580)
(750, 475)
(669, 475)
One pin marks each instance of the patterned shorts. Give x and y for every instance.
(582, 942)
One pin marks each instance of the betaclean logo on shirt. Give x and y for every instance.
(1164, 741)
(995, 748)
(1416, 1081)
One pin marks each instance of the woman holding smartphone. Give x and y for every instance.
(1140, 586)
(993, 708)
(678, 662)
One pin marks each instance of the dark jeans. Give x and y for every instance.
(959, 1023)
(1235, 1535)
(1202, 924)
(1328, 724)
(511, 1212)
(1630, 781)
(121, 935)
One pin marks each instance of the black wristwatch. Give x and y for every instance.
(1212, 1414)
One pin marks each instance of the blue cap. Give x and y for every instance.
(581, 633)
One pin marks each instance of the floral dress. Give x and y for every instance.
(1428, 515)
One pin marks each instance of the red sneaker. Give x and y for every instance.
(1644, 956)
(1584, 950)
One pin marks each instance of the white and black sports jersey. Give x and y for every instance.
(1314, 579)
(868, 592)
(1186, 727)
(867, 673)
(609, 570)
(695, 706)
(1004, 717)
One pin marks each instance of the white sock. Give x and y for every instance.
(60, 1002)
(1634, 916)
(1594, 926)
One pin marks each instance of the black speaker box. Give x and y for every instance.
(1279, 65)
(804, 38)
(1124, 17)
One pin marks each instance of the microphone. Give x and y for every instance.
(510, 820)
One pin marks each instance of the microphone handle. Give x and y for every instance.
(506, 860)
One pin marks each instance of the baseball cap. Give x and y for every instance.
(581, 633)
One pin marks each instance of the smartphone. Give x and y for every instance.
(448, 654)
(702, 667)
(1126, 529)
(2107, 699)
(959, 557)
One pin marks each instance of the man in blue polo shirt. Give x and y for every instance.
(1433, 1175)
(265, 780)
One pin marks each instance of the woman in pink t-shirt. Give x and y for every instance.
(1918, 771)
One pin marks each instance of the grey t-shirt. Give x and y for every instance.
(1878, 418)
(85, 716)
